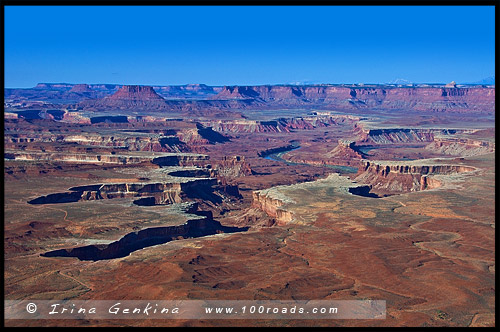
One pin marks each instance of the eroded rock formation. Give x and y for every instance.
(399, 177)
(463, 147)
(161, 192)
(388, 97)
(272, 204)
(279, 125)
(402, 135)
(131, 242)
(231, 167)
(345, 151)
(273, 201)
(129, 96)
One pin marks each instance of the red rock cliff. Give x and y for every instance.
(418, 98)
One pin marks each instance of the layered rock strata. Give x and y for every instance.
(163, 159)
(129, 96)
(455, 99)
(158, 193)
(463, 147)
(398, 177)
(346, 150)
(403, 135)
(278, 125)
(231, 168)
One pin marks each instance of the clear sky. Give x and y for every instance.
(247, 45)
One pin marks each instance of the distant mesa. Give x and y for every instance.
(79, 88)
(237, 92)
(135, 92)
(54, 86)
(129, 96)
(204, 99)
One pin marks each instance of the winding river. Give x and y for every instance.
(278, 156)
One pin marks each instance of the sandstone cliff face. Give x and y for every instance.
(231, 168)
(272, 207)
(77, 157)
(129, 96)
(185, 159)
(401, 135)
(237, 92)
(135, 92)
(460, 146)
(278, 125)
(82, 142)
(165, 159)
(75, 117)
(429, 182)
(385, 168)
(159, 192)
(201, 99)
(416, 98)
(443, 141)
(188, 139)
(404, 177)
(246, 126)
(345, 150)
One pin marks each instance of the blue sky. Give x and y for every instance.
(247, 45)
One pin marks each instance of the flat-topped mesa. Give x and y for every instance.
(463, 147)
(404, 135)
(89, 141)
(81, 88)
(274, 201)
(161, 159)
(153, 193)
(444, 98)
(189, 137)
(135, 92)
(79, 157)
(277, 125)
(129, 96)
(244, 126)
(384, 168)
(400, 177)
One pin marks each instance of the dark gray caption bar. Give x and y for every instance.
(195, 309)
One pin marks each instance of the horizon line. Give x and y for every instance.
(263, 84)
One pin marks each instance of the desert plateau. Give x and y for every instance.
(271, 192)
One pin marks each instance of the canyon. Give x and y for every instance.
(271, 192)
